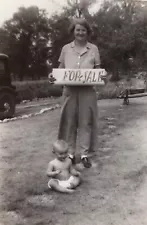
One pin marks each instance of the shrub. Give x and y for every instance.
(28, 90)
(109, 91)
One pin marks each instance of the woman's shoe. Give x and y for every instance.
(86, 162)
(73, 159)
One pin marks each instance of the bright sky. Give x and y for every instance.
(8, 7)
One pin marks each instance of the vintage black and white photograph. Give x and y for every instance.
(73, 107)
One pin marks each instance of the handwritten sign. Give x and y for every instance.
(79, 76)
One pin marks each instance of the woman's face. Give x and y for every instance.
(80, 33)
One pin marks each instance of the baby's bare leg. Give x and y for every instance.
(75, 182)
(55, 186)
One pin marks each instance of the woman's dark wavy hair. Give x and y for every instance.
(81, 22)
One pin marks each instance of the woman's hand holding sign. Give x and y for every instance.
(104, 76)
(51, 78)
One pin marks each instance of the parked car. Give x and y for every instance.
(7, 90)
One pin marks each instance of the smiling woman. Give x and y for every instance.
(79, 113)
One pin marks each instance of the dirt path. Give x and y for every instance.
(113, 191)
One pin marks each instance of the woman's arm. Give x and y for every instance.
(97, 67)
(61, 65)
(97, 63)
(61, 59)
(97, 60)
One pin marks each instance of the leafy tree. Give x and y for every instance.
(23, 32)
(81, 7)
(115, 34)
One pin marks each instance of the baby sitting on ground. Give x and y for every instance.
(64, 178)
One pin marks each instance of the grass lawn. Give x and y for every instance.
(25, 152)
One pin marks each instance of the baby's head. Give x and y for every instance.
(60, 149)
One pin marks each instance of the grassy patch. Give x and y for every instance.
(28, 144)
(28, 90)
(109, 91)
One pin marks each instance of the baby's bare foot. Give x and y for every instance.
(70, 191)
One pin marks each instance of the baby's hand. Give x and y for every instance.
(58, 172)
(77, 174)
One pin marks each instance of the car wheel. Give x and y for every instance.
(7, 105)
